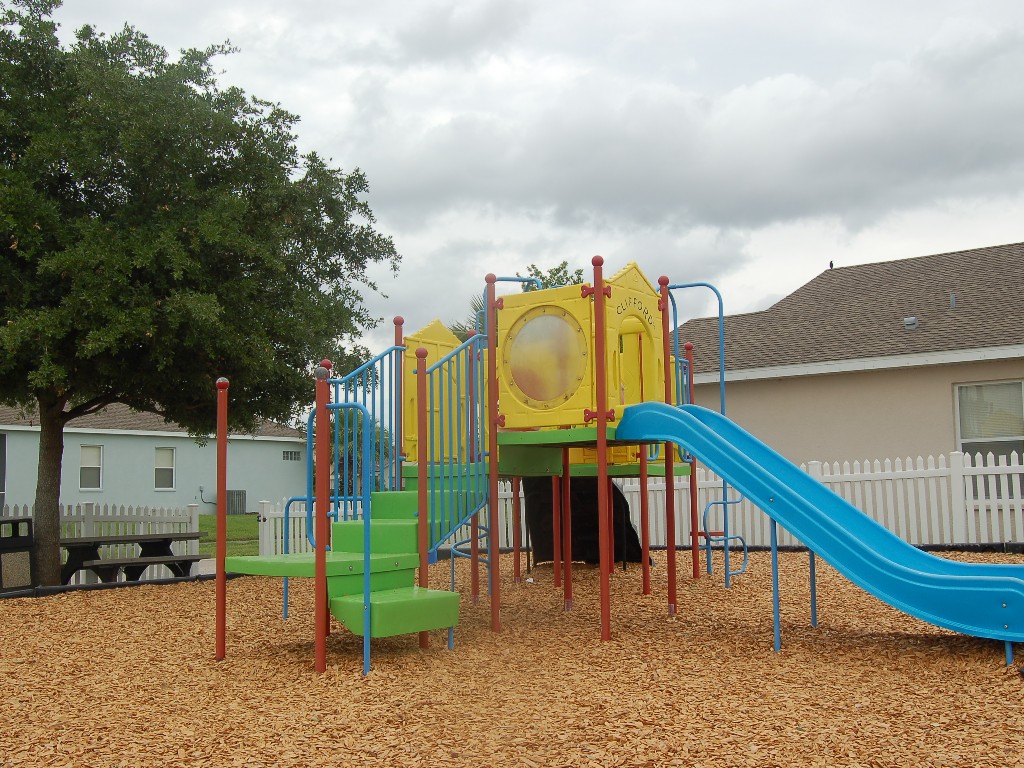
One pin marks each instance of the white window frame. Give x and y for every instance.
(288, 455)
(157, 467)
(81, 466)
(956, 404)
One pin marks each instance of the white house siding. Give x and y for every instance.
(859, 415)
(255, 465)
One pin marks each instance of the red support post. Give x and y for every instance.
(694, 524)
(222, 530)
(423, 474)
(670, 486)
(493, 557)
(600, 292)
(556, 531)
(566, 506)
(322, 509)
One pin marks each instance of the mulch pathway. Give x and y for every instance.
(127, 678)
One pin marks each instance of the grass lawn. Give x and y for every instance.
(242, 539)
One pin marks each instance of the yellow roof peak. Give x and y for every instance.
(436, 332)
(631, 276)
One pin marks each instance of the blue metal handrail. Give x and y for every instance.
(377, 386)
(354, 503)
(456, 469)
(366, 515)
(310, 493)
(683, 371)
(372, 400)
(724, 539)
(286, 529)
(721, 335)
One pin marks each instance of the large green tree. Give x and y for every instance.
(159, 231)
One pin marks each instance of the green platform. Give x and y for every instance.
(538, 453)
(397, 606)
(302, 564)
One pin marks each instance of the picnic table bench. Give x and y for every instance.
(154, 549)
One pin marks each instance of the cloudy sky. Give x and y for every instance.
(744, 144)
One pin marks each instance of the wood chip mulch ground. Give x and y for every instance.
(126, 677)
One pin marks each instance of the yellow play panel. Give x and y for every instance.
(546, 369)
(546, 362)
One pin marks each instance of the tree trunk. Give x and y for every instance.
(46, 550)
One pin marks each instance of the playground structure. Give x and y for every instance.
(579, 380)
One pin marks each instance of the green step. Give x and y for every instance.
(397, 607)
(394, 505)
(442, 475)
(385, 535)
(303, 564)
(339, 586)
(399, 611)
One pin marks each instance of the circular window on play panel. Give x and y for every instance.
(545, 357)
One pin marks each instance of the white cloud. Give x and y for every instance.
(742, 144)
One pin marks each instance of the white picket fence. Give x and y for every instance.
(275, 538)
(954, 500)
(119, 519)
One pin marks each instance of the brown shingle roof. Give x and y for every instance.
(962, 300)
(121, 417)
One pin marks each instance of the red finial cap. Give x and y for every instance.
(326, 364)
(663, 280)
(688, 346)
(597, 261)
(421, 353)
(399, 320)
(491, 278)
(222, 383)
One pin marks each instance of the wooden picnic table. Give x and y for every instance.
(154, 549)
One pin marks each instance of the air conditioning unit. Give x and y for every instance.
(236, 502)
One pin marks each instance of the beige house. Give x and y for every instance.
(915, 357)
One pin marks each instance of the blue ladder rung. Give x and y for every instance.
(724, 540)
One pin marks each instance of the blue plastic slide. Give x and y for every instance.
(985, 600)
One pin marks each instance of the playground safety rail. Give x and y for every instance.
(377, 386)
(684, 395)
(726, 537)
(370, 387)
(456, 453)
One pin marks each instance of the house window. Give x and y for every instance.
(163, 474)
(291, 456)
(90, 472)
(991, 418)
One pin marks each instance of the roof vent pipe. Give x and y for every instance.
(910, 323)
(952, 300)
